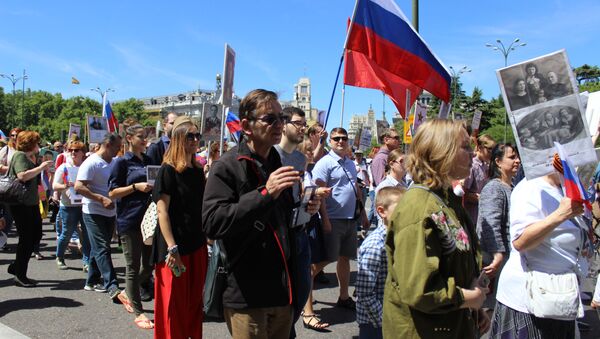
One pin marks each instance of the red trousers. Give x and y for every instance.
(178, 305)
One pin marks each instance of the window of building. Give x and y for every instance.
(304, 89)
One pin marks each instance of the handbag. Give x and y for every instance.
(216, 282)
(12, 190)
(554, 296)
(149, 223)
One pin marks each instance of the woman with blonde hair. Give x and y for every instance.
(179, 248)
(432, 288)
(26, 213)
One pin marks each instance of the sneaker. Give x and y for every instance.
(11, 269)
(97, 288)
(346, 303)
(24, 282)
(114, 292)
(88, 287)
(38, 255)
(85, 268)
(60, 263)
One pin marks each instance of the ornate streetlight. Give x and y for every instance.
(455, 76)
(499, 46)
(14, 81)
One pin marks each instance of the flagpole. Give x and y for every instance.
(341, 61)
(343, 98)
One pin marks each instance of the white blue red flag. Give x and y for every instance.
(572, 187)
(233, 125)
(113, 124)
(386, 53)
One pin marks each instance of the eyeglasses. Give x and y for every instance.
(338, 139)
(192, 136)
(396, 137)
(298, 123)
(13, 135)
(75, 150)
(271, 118)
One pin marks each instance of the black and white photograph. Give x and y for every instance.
(97, 128)
(151, 173)
(536, 81)
(211, 123)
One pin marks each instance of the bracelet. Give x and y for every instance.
(134, 189)
(173, 249)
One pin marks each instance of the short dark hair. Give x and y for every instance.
(289, 112)
(110, 138)
(255, 100)
(338, 130)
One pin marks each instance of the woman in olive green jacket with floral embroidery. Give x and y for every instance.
(432, 289)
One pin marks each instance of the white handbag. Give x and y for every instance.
(554, 296)
(149, 223)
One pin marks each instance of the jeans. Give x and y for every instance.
(302, 276)
(372, 215)
(29, 229)
(100, 230)
(70, 217)
(134, 250)
(368, 331)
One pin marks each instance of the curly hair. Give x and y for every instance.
(433, 151)
(27, 141)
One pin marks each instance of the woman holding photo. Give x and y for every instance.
(128, 183)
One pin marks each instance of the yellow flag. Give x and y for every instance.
(74, 81)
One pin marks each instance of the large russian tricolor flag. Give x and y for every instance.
(572, 185)
(113, 124)
(386, 49)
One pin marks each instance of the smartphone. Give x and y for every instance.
(483, 280)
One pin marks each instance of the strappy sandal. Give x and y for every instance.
(144, 323)
(126, 302)
(314, 323)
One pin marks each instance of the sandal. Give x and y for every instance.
(144, 323)
(595, 305)
(314, 323)
(346, 303)
(125, 301)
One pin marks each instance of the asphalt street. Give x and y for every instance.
(59, 307)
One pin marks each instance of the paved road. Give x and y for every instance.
(60, 308)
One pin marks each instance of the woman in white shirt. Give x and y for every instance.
(543, 239)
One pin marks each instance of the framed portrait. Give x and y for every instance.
(97, 128)
(211, 122)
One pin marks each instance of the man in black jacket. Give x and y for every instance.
(248, 204)
(157, 149)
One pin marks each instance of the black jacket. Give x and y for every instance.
(253, 227)
(156, 152)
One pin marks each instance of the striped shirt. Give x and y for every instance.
(370, 281)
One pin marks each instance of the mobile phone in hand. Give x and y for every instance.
(483, 280)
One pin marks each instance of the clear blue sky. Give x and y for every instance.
(151, 48)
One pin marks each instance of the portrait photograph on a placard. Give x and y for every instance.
(211, 122)
(536, 81)
(97, 128)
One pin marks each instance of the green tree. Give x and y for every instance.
(586, 73)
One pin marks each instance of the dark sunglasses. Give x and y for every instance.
(75, 150)
(271, 118)
(337, 139)
(13, 135)
(192, 136)
(397, 137)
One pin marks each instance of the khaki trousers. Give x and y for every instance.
(259, 323)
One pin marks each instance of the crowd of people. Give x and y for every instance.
(448, 249)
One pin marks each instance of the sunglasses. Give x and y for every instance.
(13, 135)
(75, 150)
(192, 136)
(338, 139)
(397, 137)
(271, 118)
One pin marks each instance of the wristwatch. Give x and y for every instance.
(173, 249)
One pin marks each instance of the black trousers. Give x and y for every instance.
(29, 228)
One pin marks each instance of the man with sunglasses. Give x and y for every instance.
(390, 140)
(248, 203)
(156, 150)
(341, 211)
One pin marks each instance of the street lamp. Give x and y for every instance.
(455, 76)
(499, 46)
(14, 81)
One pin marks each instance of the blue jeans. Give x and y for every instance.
(368, 331)
(70, 217)
(372, 216)
(100, 230)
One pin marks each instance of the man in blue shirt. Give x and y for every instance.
(157, 149)
(339, 211)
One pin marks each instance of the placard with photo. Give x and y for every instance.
(97, 128)
(151, 173)
(211, 122)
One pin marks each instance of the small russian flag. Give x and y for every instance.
(233, 125)
(572, 185)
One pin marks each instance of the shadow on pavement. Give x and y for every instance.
(35, 303)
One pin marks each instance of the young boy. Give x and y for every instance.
(372, 267)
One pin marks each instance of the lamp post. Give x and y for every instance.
(505, 51)
(455, 76)
(14, 81)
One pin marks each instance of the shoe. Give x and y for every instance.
(125, 301)
(114, 292)
(314, 323)
(144, 323)
(38, 255)
(321, 278)
(145, 294)
(60, 263)
(346, 303)
(97, 288)
(24, 282)
(11, 269)
(88, 287)
(594, 305)
(85, 268)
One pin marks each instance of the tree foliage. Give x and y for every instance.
(586, 73)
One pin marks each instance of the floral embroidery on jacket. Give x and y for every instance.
(451, 236)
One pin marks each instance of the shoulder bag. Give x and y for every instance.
(149, 223)
(12, 190)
